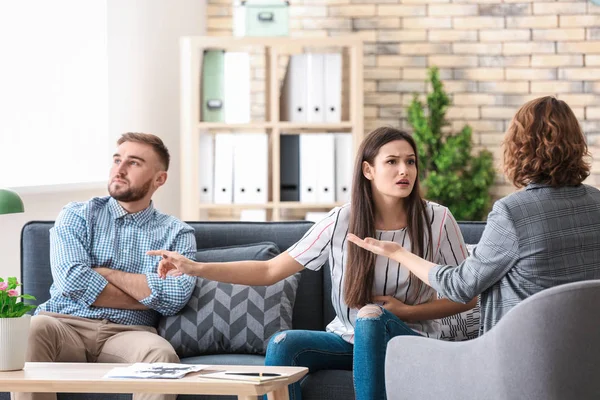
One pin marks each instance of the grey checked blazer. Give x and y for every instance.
(534, 239)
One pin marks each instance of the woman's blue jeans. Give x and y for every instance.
(319, 350)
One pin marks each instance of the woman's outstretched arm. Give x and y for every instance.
(396, 252)
(251, 272)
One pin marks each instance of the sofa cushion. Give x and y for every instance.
(226, 318)
(463, 326)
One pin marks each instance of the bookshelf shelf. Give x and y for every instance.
(273, 49)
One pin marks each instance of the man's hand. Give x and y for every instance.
(174, 264)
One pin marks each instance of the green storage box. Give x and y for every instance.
(213, 86)
(261, 18)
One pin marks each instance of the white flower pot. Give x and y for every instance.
(14, 333)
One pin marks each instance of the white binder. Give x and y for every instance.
(343, 166)
(236, 101)
(315, 98)
(295, 90)
(325, 143)
(206, 173)
(333, 87)
(250, 168)
(223, 168)
(308, 168)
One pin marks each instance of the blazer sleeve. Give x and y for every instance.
(496, 253)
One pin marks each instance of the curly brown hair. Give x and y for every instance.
(544, 144)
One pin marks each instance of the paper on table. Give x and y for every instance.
(245, 376)
(153, 371)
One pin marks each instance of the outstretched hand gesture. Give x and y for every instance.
(172, 263)
(381, 247)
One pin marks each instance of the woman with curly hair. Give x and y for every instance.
(543, 236)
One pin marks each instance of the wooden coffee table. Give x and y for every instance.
(88, 378)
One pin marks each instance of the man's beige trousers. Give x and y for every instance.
(64, 338)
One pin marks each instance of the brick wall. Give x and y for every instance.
(493, 56)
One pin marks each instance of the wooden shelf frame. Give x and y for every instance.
(191, 48)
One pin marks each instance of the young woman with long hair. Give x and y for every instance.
(374, 297)
(543, 236)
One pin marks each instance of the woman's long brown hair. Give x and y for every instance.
(360, 267)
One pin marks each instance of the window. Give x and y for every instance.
(53, 92)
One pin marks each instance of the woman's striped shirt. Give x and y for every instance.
(326, 241)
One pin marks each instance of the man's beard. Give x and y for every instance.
(132, 194)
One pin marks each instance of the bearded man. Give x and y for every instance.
(106, 297)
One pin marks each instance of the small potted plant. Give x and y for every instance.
(14, 325)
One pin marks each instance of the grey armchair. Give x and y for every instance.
(547, 347)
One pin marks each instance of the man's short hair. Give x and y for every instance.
(153, 140)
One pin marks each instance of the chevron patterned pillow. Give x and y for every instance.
(226, 318)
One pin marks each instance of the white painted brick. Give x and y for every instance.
(578, 74)
(528, 48)
(427, 22)
(476, 99)
(549, 21)
(557, 60)
(401, 86)
(462, 113)
(357, 10)
(555, 87)
(559, 8)
(458, 86)
(505, 9)
(517, 100)
(423, 74)
(381, 98)
(592, 113)
(382, 73)
(579, 21)
(402, 35)
(451, 35)
(558, 34)
(480, 125)
(445, 10)
(579, 47)
(580, 99)
(504, 61)
(498, 112)
(402, 10)
(592, 60)
(504, 35)
(453, 61)
(425, 48)
(504, 87)
(480, 74)
(532, 74)
(477, 48)
(478, 22)
(401, 61)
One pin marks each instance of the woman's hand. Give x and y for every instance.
(395, 306)
(172, 263)
(381, 247)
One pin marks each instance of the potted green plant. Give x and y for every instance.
(450, 173)
(14, 325)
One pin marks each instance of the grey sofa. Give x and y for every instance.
(312, 310)
(546, 348)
